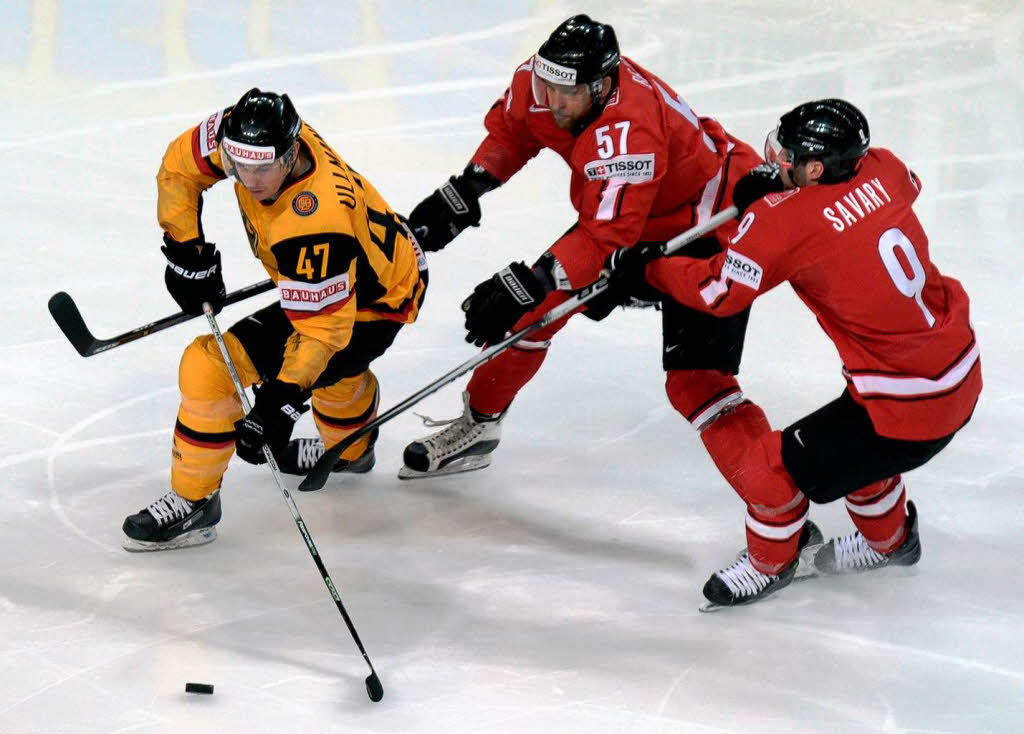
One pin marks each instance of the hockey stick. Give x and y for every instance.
(318, 475)
(373, 687)
(69, 319)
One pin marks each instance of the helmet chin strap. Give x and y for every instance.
(597, 104)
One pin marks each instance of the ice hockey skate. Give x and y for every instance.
(852, 554)
(172, 522)
(301, 454)
(741, 583)
(465, 444)
(811, 541)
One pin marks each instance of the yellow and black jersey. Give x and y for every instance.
(330, 242)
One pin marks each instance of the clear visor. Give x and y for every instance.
(248, 162)
(775, 153)
(547, 94)
(552, 83)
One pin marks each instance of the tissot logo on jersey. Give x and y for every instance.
(742, 269)
(633, 167)
(298, 296)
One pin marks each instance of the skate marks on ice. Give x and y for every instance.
(177, 649)
(512, 28)
(63, 445)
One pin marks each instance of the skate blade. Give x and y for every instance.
(805, 568)
(202, 536)
(709, 606)
(459, 466)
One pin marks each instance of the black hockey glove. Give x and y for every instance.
(438, 219)
(760, 181)
(278, 405)
(627, 283)
(193, 274)
(499, 302)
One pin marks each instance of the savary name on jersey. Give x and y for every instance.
(856, 205)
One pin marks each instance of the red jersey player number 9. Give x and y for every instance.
(912, 286)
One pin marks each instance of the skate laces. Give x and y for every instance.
(433, 422)
(743, 579)
(310, 451)
(169, 508)
(459, 433)
(853, 551)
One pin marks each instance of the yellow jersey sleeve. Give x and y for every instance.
(190, 166)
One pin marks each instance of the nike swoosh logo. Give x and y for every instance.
(796, 435)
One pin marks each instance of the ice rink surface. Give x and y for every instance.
(556, 591)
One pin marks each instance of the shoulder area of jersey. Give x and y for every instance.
(777, 199)
(631, 72)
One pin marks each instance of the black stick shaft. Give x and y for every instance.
(65, 312)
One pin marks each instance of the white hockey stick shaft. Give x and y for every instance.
(372, 682)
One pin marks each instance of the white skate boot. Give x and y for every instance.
(465, 444)
(852, 554)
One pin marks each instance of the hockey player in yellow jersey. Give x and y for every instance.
(349, 275)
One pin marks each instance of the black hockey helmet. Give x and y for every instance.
(579, 51)
(260, 128)
(830, 130)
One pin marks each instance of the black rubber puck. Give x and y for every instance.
(199, 688)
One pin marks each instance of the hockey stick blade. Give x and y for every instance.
(69, 319)
(65, 312)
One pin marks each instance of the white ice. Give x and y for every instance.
(557, 590)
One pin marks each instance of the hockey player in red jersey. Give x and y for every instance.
(832, 216)
(644, 168)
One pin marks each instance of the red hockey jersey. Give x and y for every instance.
(856, 254)
(647, 168)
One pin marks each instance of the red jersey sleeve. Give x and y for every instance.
(752, 264)
(509, 144)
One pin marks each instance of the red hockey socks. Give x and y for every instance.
(880, 513)
(701, 394)
(494, 384)
(731, 437)
(776, 509)
(748, 453)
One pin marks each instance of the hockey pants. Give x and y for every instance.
(204, 433)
